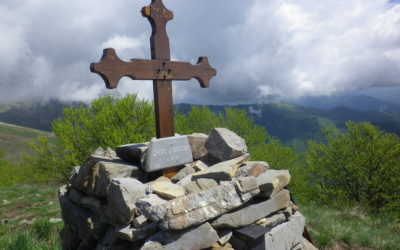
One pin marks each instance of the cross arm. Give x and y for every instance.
(112, 69)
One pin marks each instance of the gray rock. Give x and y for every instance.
(205, 184)
(75, 196)
(168, 190)
(306, 245)
(139, 221)
(252, 168)
(151, 245)
(224, 236)
(197, 165)
(111, 170)
(196, 208)
(81, 222)
(152, 207)
(6, 202)
(74, 173)
(210, 160)
(69, 239)
(63, 191)
(96, 173)
(253, 212)
(274, 220)
(247, 184)
(68, 208)
(197, 141)
(199, 237)
(223, 171)
(200, 185)
(187, 170)
(55, 220)
(134, 153)
(286, 235)
(272, 181)
(122, 196)
(225, 144)
(123, 246)
(192, 187)
(133, 234)
(110, 237)
(91, 203)
(248, 187)
(27, 222)
(186, 180)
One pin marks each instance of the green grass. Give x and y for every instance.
(14, 141)
(33, 204)
(354, 226)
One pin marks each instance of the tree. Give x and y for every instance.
(107, 122)
(201, 119)
(362, 165)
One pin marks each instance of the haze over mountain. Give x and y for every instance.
(358, 102)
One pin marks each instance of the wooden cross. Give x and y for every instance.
(160, 69)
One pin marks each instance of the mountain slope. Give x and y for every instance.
(294, 124)
(357, 102)
(14, 140)
(37, 115)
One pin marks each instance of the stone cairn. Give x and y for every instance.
(221, 200)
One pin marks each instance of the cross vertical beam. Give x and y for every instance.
(158, 17)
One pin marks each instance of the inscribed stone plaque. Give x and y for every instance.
(168, 152)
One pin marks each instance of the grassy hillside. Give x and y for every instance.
(34, 115)
(14, 140)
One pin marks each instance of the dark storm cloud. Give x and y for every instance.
(262, 49)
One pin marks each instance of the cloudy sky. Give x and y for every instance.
(262, 49)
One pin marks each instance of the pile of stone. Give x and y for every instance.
(220, 200)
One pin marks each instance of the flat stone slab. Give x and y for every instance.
(272, 181)
(195, 238)
(286, 235)
(223, 171)
(168, 189)
(168, 152)
(253, 212)
(132, 152)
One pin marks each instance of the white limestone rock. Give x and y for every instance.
(122, 196)
(286, 235)
(197, 141)
(225, 144)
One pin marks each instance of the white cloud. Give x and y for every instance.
(261, 48)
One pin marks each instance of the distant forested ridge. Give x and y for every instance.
(293, 124)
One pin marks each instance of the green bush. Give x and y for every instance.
(361, 166)
(282, 157)
(109, 122)
(200, 119)
(11, 173)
